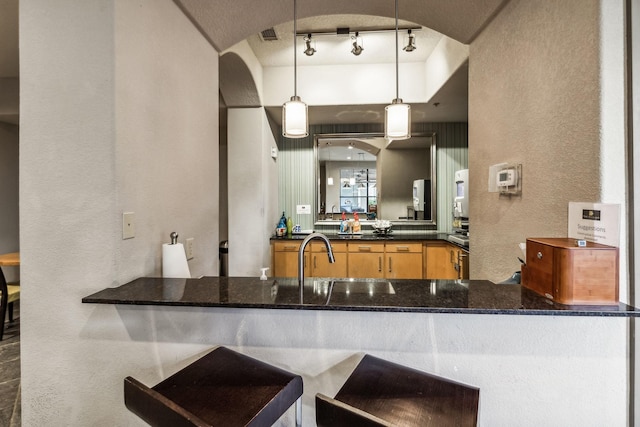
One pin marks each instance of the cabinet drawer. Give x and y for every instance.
(401, 247)
(286, 246)
(366, 247)
(335, 246)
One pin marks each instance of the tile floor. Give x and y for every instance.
(10, 374)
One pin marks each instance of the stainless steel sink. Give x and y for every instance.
(346, 287)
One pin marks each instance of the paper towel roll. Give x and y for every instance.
(174, 261)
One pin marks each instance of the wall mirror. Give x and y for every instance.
(378, 179)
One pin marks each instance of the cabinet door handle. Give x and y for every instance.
(364, 248)
(539, 255)
(315, 264)
(379, 264)
(402, 248)
(390, 265)
(290, 248)
(451, 256)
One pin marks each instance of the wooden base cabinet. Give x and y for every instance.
(285, 259)
(403, 260)
(365, 260)
(444, 260)
(320, 265)
(316, 261)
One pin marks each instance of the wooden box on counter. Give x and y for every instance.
(570, 274)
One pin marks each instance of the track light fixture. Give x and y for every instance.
(357, 49)
(309, 51)
(411, 45)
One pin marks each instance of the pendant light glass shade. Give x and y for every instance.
(397, 116)
(295, 117)
(397, 119)
(295, 122)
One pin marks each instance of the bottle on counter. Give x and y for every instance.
(356, 223)
(344, 224)
(289, 226)
(281, 228)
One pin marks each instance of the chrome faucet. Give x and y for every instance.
(303, 245)
(333, 207)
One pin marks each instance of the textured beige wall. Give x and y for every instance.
(117, 113)
(166, 137)
(534, 99)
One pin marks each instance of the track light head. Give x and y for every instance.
(309, 51)
(411, 45)
(357, 48)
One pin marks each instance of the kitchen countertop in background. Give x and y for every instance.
(370, 236)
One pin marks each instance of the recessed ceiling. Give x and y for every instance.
(225, 23)
(449, 104)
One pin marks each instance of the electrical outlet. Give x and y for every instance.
(189, 248)
(128, 225)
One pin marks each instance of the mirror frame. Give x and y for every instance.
(348, 135)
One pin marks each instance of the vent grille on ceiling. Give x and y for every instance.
(269, 35)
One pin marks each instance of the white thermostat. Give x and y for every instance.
(506, 178)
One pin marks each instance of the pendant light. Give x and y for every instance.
(295, 120)
(397, 116)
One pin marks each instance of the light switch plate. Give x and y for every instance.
(189, 248)
(128, 225)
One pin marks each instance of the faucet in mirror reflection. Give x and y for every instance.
(303, 246)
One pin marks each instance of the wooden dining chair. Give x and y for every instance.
(9, 293)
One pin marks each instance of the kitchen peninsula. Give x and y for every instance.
(432, 325)
(397, 295)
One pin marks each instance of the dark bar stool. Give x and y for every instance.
(381, 393)
(223, 388)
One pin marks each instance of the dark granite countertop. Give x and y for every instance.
(424, 296)
(371, 236)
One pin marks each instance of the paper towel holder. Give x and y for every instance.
(174, 237)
